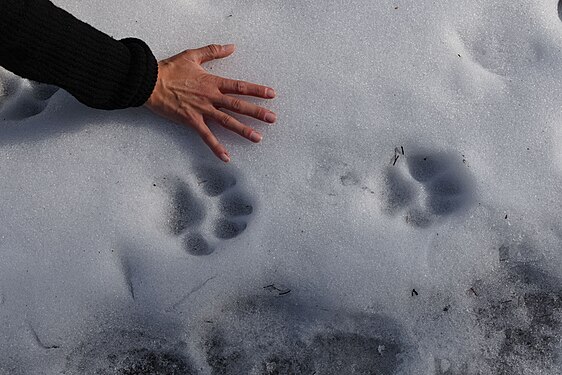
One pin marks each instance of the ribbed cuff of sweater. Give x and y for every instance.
(142, 76)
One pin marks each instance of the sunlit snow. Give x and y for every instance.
(401, 217)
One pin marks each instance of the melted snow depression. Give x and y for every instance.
(401, 217)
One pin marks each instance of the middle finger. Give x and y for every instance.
(232, 86)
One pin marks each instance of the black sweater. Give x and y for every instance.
(44, 43)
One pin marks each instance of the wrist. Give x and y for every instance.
(152, 98)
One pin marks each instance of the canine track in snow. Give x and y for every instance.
(425, 186)
(189, 215)
(518, 313)
(487, 37)
(521, 308)
(266, 335)
(130, 351)
(515, 310)
(21, 98)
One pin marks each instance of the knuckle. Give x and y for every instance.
(208, 109)
(246, 132)
(236, 104)
(260, 113)
(213, 49)
(225, 120)
(240, 86)
(204, 78)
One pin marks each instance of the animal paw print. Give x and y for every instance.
(426, 186)
(272, 336)
(215, 209)
(524, 303)
(130, 352)
(21, 98)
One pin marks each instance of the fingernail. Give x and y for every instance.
(228, 47)
(225, 158)
(270, 93)
(270, 117)
(255, 137)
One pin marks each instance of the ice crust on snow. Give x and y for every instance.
(402, 216)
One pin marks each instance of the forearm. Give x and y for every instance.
(44, 43)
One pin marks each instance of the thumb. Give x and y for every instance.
(213, 51)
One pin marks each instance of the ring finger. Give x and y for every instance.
(244, 108)
(236, 126)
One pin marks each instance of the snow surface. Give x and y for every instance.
(402, 216)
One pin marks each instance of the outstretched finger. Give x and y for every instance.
(212, 51)
(211, 141)
(231, 86)
(244, 108)
(236, 126)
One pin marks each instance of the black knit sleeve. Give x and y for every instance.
(44, 43)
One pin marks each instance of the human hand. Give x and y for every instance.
(186, 93)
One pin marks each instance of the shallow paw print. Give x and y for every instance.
(124, 352)
(21, 98)
(353, 353)
(274, 336)
(399, 193)
(332, 177)
(520, 307)
(425, 186)
(213, 210)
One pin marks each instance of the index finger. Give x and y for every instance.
(231, 86)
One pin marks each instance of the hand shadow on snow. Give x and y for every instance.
(21, 98)
(74, 117)
(22, 103)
